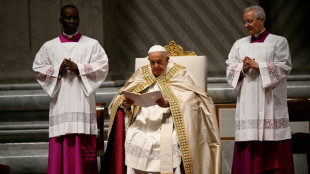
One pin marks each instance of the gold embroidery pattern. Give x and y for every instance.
(177, 117)
(149, 79)
(113, 113)
(170, 75)
(174, 106)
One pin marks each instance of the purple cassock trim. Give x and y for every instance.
(75, 38)
(72, 154)
(261, 37)
(274, 157)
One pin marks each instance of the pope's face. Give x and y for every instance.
(158, 62)
(253, 25)
(70, 20)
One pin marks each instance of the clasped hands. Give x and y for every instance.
(249, 63)
(67, 64)
(162, 102)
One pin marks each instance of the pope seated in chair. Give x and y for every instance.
(179, 134)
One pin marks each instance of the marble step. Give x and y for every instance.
(25, 157)
(29, 98)
(16, 132)
(37, 131)
(24, 116)
(34, 86)
(23, 125)
(37, 100)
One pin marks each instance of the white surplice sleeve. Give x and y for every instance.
(273, 72)
(46, 72)
(94, 73)
(234, 67)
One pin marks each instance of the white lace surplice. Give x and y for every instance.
(142, 144)
(73, 106)
(261, 112)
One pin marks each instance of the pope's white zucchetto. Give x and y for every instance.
(156, 48)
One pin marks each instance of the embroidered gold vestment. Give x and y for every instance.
(192, 111)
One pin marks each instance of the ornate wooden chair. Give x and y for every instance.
(4, 169)
(299, 111)
(100, 108)
(196, 65)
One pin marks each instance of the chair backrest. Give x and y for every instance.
(100, 118)
(196, 65)
(299, 109)
(100, 146)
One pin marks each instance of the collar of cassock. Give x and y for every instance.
(70, 38)
(259, 37)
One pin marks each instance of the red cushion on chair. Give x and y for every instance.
(301, 142)
(99, 143)
(4, 169)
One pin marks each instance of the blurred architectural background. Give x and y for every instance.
(126, 29)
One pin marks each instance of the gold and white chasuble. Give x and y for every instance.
(195, 136)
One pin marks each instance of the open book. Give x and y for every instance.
(144, 100)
